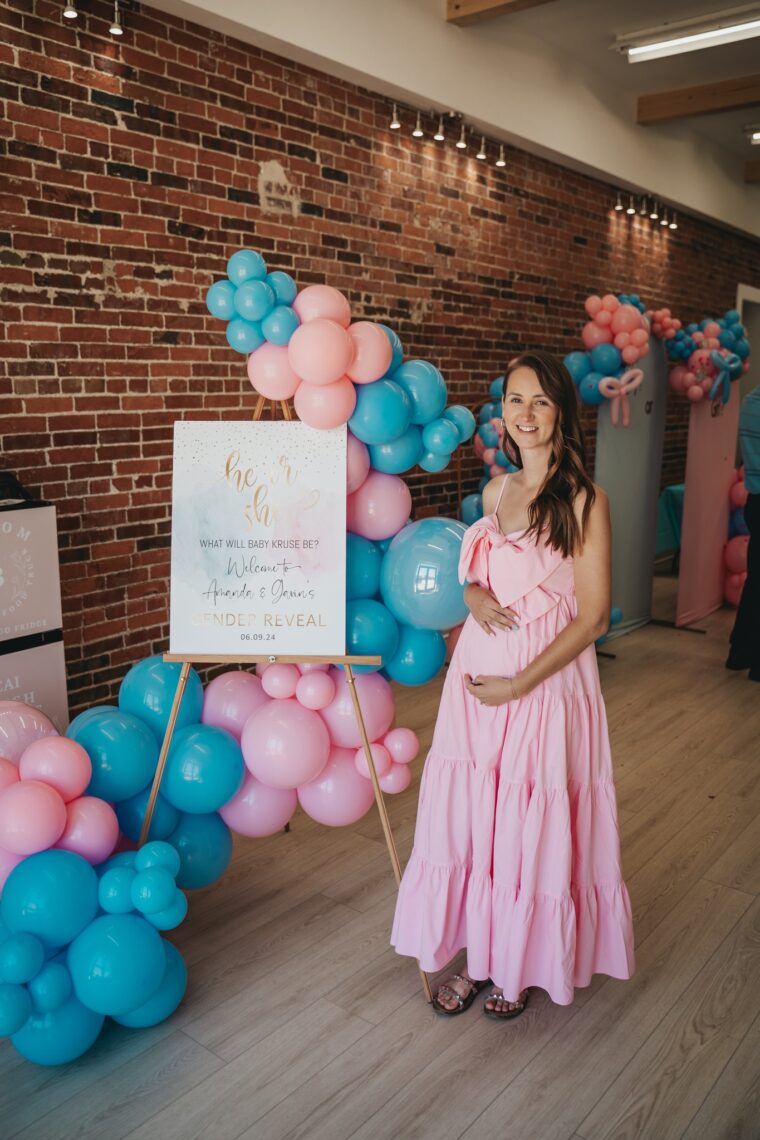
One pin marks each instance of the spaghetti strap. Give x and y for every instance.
(501, 492)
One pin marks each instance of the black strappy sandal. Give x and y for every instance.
(505, 1014)
(463, 1002)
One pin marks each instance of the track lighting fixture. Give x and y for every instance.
(70, 11)
(630, 208)
(395, 124)
(418, 131)
(673, 222)
(501, 160)
(619, 202)
(439, 136)
(482, 151)
(462, 140)
(116, 28)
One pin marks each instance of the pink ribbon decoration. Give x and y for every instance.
(619, 390)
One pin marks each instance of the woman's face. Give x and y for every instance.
(528, 412)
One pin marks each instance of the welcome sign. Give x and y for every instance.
(258, 557)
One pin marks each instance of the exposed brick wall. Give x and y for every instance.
(131, 173)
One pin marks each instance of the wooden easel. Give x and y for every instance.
(270, 659)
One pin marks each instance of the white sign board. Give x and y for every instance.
(258, 539)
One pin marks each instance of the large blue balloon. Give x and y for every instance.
(53, 895)
(434, 461)
(419, 581)
(425, 387)
(419, 656)
(400, 454)
(440, 436)
(279, 325)
(283, 286)
(123, 752)
(363, 560)
(220, 300)
(167, 997)
(463, 420)
(21, 958)
(246, 265)
(254, 300)
(131, 813)
(472, 509)
(204, 769)
(578, 365)
(244, 336)
(204, 845)
(489, 435)
(382, 412)
(370, 631)
(589, 389)
(116, 963)
(397, 349)
(60, 1036)
(82, 718)
(605, 358)
(148, 691)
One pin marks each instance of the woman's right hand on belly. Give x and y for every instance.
(487, 612)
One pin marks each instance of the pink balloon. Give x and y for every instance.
(270, 372)
(689, 379)
(402, 743)
(630, 354)
(320, 352)
(626, 319)
(258, 809)
(695, 393)
(20, 724)
(697, 337)
(372, 352)
(706, 385)
(610, 302)
(230, 699)
(325, 406)
(59, 762)
(8, 860)
(357, 463)
(379, 508)
(622, 340)
(315, 690)
(396, 780)
(712, 328)
(377, 704)
(592, 335)
(338, 796)
(9, 773)
(92, 829)
(32, 817)
(312, 667)
(734, 558)
(603, 318)
(479, 446)
(738, 495)
(284, 744)
(381, 758)
(592, 305)
(495, 470)
(489, 455)
(732, 588)
(639, 337)
(322, 301)
(280, 681)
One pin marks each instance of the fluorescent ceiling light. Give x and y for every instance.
(677, 37)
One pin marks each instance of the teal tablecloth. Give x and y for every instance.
(669, 515)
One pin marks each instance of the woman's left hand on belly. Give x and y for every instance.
(490, 690)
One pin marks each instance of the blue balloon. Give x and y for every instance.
(616, 615)
(153, 890)
(370, 631)
(204, 769)
(83, 717)
(589, 389)
(244, 336)
(60, 1036)
(463, 420)
(157, 854)
(483, 483)
(486, 413)
(173, 915)
(440, 436)
(363, 560)
(400, 454)
(21, 958)
(131, 813)
(53, 895)
(122, 859)
(419, 656)
(148, 691)
(115, 890)
(472, 509)
(51, 988)
(246, 265)
(204, 845)
(496, 388)
(279, 325)
(382, 413)
(397, 349)
(116, 963)
(726, 339)
(164, 1001)
(123, 752)
(733, 316)
(737, 523)
(425, 387)
(15, 1008)
(434, 461)
(254, 300)
(220, 300)
(578, 365)
(489, 435)
(605, 358)
(283, 286)
(502, 461)
(418, 581)
(742, 348)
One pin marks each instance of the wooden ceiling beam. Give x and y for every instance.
(466, 12)
(752, 170)
(705, 99)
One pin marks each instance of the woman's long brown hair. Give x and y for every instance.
(552, 511)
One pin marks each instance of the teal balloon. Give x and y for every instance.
(254, 300)
(167, 997)
(131, 813)
(400, 454)
(115, 890)
(419, 656)
(489, 435)
(204, 846)
(463, 420)
(605, 358)
(397, 349)
(153, 890)
(496, 388)
(419, 580)
(363, 560)
(440, 436)
(246, 265)
(370, 631)
(220, 300)
(589, 389)
(83, 717)
(173, 915)
(616, 615)
(425, 387)
(157, 854)
(244, 336)
(283, 286)
(578, 365)
(21, 957)
(148, 692)
(472, 509)
(434, 461)
(279, 325)
(122, 859)
(53, 895)
(382, 413)
(58, 1037)
(123, 752)
(51, 988)
(15, 1008)
(204, 769)
(116, 963)
(489, 412)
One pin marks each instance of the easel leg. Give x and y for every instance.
(379, 800)
(183, 676)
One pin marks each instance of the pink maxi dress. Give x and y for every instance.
(516, 851)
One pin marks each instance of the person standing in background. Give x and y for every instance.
(745, 636)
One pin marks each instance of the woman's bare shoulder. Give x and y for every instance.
(491, 494)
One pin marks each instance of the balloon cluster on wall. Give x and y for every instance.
(709, 356)
(736, 549)
(616, 337)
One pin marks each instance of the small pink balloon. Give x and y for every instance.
(712, 328)
(280, 681)
(284, 744)
(489, 455)
(59, 762)
(603, 318)
(315, 690)
(706, 385)
(379, 508)
(734, 558)
(322, 301)
(9, 773)
(396, 780)
(20, 724)
(402, 743)
(338, 796)
(495, 470)
(92, 829)
(479, 446)
(732, 588)
(230, 699)
(372, 352)
(32, 817)
(381, 758)
(630, 354)
(592, 304)
(592, 335)
(738, 495)
(689, 379)
(610, 302)
(321, 351)
(258, 809)
(378, 709)
(695, 393)
(357, 463)
(312, 667)
(8, 860)
(325, 406)
(640, 337)
(270, 372)
(622, 340)
(697, 337)
(626, 319)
